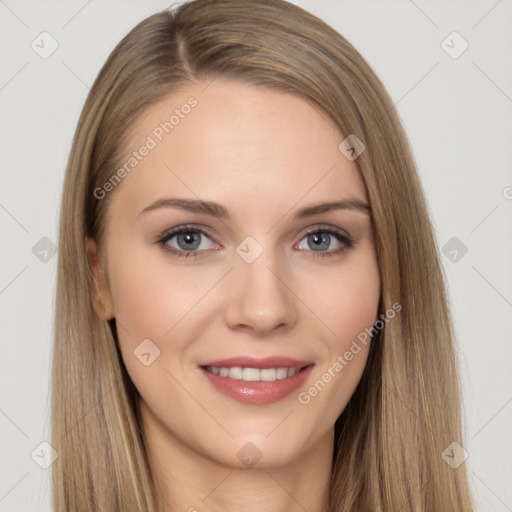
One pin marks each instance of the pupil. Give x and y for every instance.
(189, 240)
(323, 239)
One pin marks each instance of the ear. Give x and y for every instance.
(102, 299)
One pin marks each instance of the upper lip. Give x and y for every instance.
(258, 362)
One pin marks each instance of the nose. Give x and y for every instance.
(260, 298)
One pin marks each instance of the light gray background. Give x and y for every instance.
(456, 111)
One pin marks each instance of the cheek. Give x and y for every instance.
(142, 304)
(348, 303)
(151, 302)
(149, 296)
(356, 308)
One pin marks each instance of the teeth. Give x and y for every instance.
(282, 373)
(235, 373)
(253, 374)
(268, 374)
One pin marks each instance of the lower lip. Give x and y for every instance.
(259, 392)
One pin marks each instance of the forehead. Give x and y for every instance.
(237, 144)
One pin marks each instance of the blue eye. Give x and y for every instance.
(321, 238)
(190, 238)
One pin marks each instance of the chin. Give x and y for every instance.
(260, 450)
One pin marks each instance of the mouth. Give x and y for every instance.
(254, 374)
(257, 381)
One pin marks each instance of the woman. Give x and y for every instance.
(250, 307)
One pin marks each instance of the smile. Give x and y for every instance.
(253, 374)
(256, 381)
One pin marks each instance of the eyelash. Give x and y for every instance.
(166, 236)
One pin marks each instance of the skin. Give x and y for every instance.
(263, 154)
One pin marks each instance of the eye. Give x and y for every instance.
(190, 241)
(319, 239)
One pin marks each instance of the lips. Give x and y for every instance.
(256, 380)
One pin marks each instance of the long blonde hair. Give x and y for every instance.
(406, 409)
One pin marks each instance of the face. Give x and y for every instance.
(237, 304)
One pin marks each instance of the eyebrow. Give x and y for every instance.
(217, 210)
